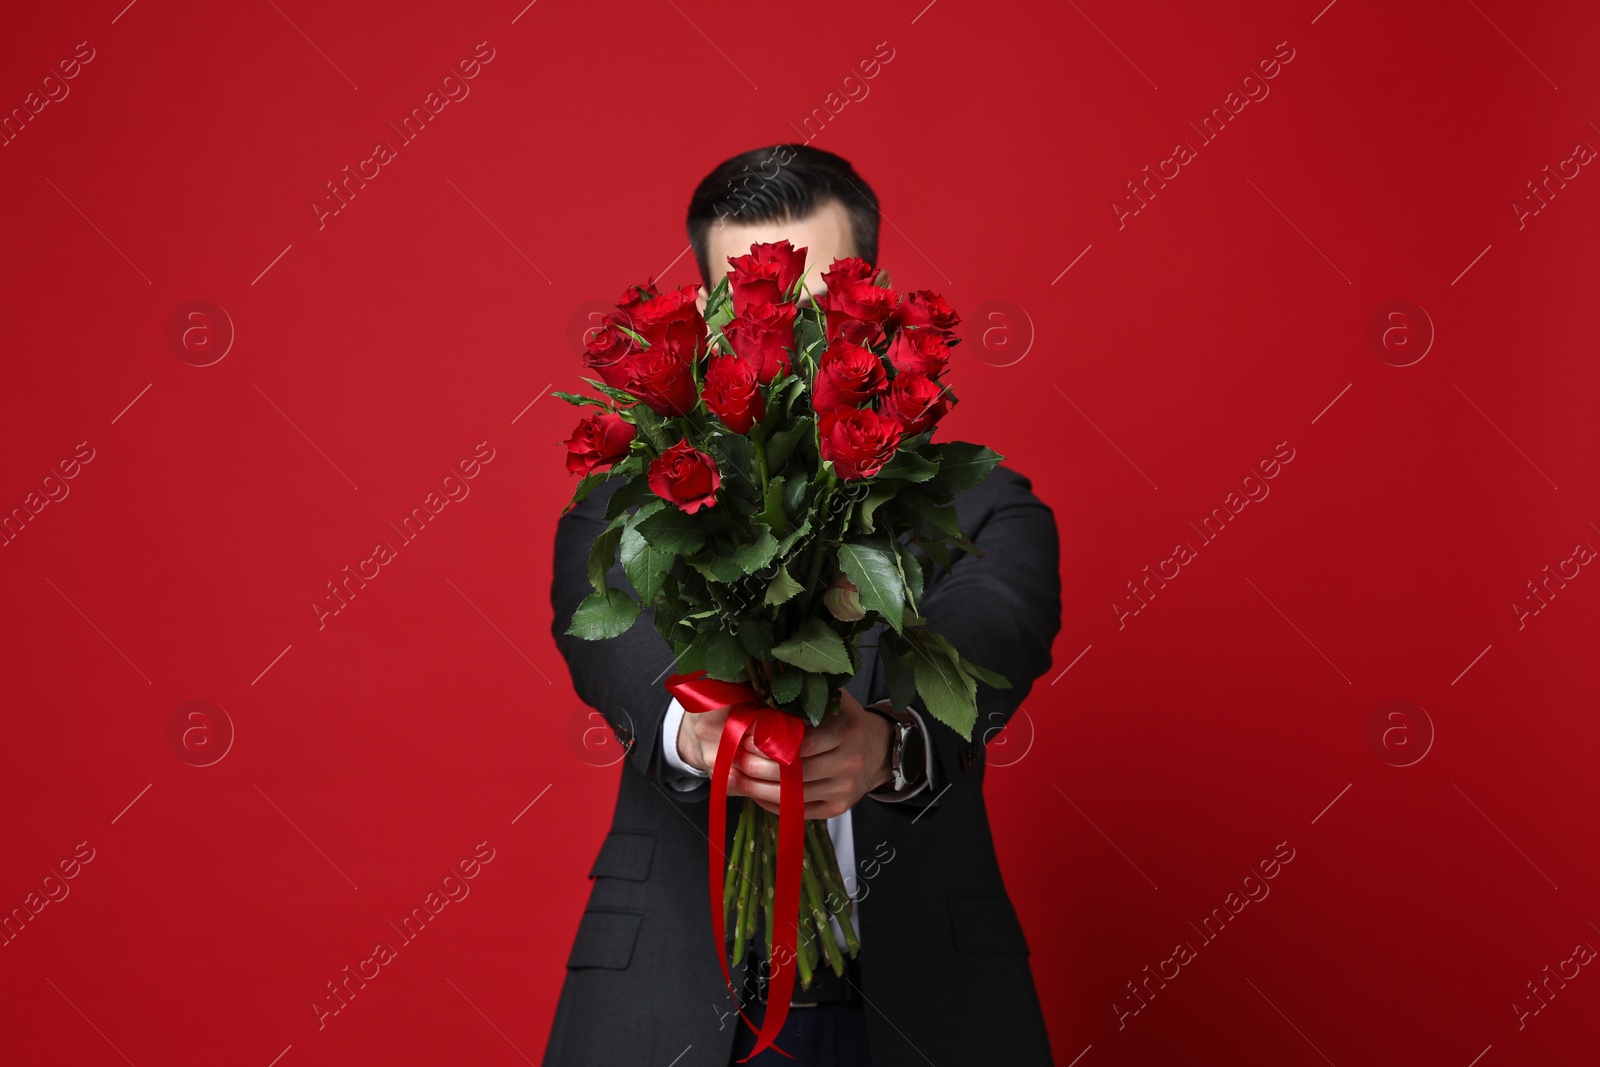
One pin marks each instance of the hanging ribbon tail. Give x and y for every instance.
(786, 899)
(697, 693)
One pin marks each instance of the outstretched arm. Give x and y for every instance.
(1001, 610)
(621, 677)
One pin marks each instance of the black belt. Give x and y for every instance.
(826, 987)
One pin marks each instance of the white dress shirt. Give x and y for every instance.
(839, 827)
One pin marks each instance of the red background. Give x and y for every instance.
(1134, 792)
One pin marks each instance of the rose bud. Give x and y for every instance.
(685, 476)
(847, 375)
(733, 394)
(919, 349)
(599, 440)
(765, 275)
(859, 441)
(843, 599)
(915, 401)
(761, 337)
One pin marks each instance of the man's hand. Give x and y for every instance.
(841, 760)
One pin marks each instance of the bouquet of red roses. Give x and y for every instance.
(779, 475)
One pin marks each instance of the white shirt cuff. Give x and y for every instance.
(686, 776)
(927, 773)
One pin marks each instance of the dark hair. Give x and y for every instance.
(780, 183)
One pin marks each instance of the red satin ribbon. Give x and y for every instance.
(778, 735)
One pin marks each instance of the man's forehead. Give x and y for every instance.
(825, 233)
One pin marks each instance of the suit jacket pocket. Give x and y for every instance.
(985, 923)
(625, 854)
(605, 939)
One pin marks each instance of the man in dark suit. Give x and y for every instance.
(943, 972)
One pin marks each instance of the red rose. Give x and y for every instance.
(924, 308)
(920, 349)
(915, 401)
(634, 295)
(847, 375)
(851, 271)
(857, 312)
(668, 318)
(858, 440)
(765, 275)
(733, 394)
(761, 337)
(663, 378)
(685, 476)
(599, 440)
(608, 352)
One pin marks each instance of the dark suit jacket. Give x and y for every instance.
(945, 974)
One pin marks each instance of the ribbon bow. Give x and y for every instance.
(778, 735)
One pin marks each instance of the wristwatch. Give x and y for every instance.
(906, 758)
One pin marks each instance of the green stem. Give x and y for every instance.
(729, 882)
(744, 911)
(769, 882)
(818, 549)
(819, 915)
(806, 952)
(758, 438)
(832, 884)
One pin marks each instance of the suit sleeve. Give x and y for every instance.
(1001, 610)
(621, 677)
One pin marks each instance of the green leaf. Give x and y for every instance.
(773, 513)
(793, 536)
(987, 677)
(635, 491)
(580, 400)
(758, 554)
(814, 693)
(719, 305)
(907, 466)
(781, 588)
(602, 554)
(874, 568)
(876, 496)
(673, 530)
(725, 655)
(621, 396)
(943, 689)
(962, 465)
(781, 445)
(817, 647)
(585, 487)
(910, 572)
(603, 615)
(786, 685)
(808, 333)
(926, 516)
(898, 672)
(645, 564)
(755, 634)
(736, 462)
(654, 427)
